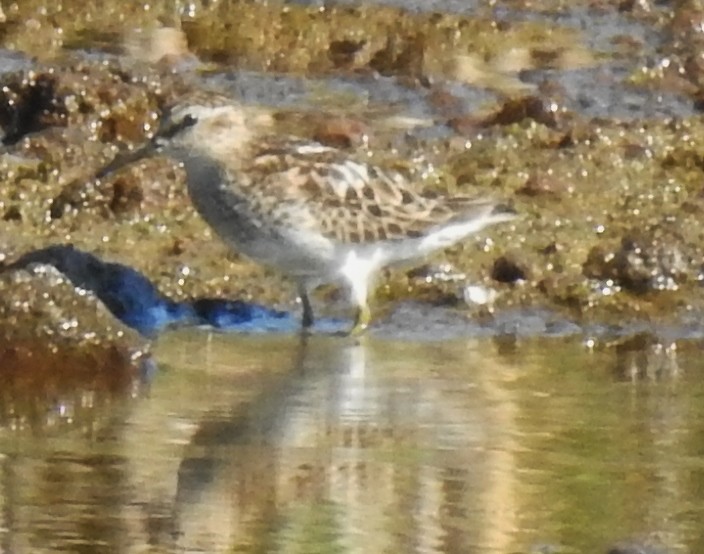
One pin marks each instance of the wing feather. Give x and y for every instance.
(328, 192)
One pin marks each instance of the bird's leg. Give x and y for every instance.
(363, 317)
(308, 318)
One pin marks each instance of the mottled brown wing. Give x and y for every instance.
(349, 201)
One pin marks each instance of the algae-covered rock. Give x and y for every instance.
(62, 354)
(40, 305)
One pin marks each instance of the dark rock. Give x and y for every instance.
(642, 263)
(130, 296)
(12, 213)
(543, 184)
(28, 105)
(341, 132)
(39, 304)
(516, 110)
(343, 52)
(136, 302)
(64, 356)
(401, 55)
(229, 314)
(127, 196)
(507, 270)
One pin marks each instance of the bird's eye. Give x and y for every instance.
(188, 121)
(171, 128)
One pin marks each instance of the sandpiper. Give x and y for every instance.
(309, 210)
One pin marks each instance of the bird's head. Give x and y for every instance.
(210, 123)
(201, 123)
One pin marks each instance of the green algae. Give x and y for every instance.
(292, 38)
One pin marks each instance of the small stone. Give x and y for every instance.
(479, 295)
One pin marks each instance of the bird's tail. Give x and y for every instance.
(475, 216)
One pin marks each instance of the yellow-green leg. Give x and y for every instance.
(363, 318)
(359, 287)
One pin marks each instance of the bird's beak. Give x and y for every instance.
(125, 158)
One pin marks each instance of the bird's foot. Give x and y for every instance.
(361, 321)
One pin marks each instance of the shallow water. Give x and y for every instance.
(511, 437)
(267, 444)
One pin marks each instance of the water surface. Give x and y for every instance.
(274, 444)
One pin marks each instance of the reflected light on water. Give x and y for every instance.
(358, 450)
(259, 444)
